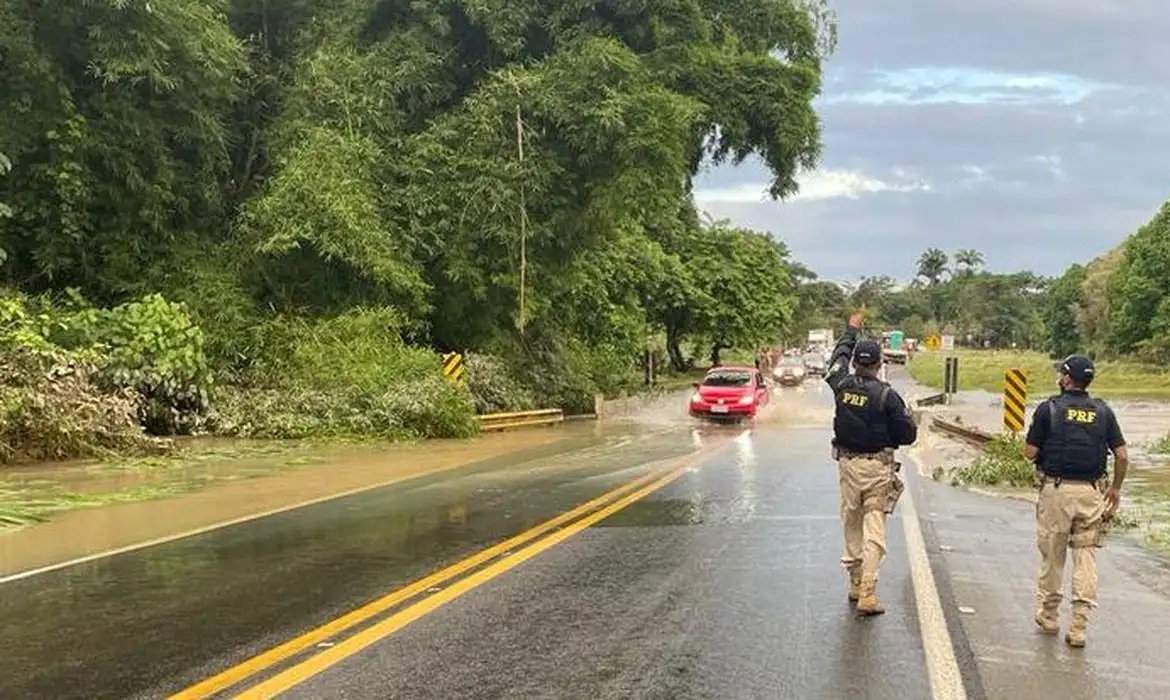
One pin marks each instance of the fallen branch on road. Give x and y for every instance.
(965, 433)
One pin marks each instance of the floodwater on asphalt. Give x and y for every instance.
(60, 512)
(92, 510)
(282, 574)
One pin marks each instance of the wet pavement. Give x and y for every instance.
(989, 555)
(230, 491)
(723, 583)
(184, 608)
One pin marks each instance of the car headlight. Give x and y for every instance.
(696, 398)
(745, 400)
(799, 371)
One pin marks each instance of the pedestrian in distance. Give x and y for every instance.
(1069, 441)
(870, 422)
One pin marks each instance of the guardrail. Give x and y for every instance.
(933, 400)
(521, 419)
(972, 436)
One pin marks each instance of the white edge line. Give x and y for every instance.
(946, 682)
(211, 528)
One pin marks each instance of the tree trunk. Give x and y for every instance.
(673, 342)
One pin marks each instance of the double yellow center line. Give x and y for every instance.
(570, 523)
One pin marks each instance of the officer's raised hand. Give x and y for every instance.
(857, 318)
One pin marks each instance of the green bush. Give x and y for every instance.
(427, 408)
(494, 386)
(50, 405)
(346, 376)
(1002, 462)
(361, 348)
(63, 414)
(150, 346)
(567, 375)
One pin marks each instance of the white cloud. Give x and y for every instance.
(957, 85)
(1053, 163)
(816, 185)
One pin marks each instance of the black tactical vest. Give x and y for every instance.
(1076, 447)
(860, 423)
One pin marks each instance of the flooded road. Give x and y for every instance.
(191, 492)
(236, 590)
(704, 564)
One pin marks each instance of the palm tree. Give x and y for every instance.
(970, 259)
(932, 265)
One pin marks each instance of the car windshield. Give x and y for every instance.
(792, 361)
(727, 379)
(815, 359)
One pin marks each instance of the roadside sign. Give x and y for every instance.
(933, 341)
(1015, 397)
(453, 367)
(948, 342)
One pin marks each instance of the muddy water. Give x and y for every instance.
(1147, 492)
(94, 508)
(804, 405)
(199, 496)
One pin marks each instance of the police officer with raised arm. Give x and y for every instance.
(870, 422)
(1069, 440)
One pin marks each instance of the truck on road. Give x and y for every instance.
(820, 338)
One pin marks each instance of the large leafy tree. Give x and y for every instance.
(1141, 290)
(500, 174)
(1062, 307)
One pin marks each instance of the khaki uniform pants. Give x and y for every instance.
(1069, 516)
(866, 487)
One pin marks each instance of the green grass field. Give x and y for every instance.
(984, 369)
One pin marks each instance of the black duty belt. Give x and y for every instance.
(881, 455)
(1058, 480)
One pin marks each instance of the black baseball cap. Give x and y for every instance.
(1078, 367)
(867, 353)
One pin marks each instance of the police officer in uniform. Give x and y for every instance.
(1069, 440)
(871, 421)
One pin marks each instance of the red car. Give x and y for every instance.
(729, 393)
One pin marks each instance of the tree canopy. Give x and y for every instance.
(511, 178)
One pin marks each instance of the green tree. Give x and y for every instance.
(969, 260)
(1141, 288)
(820, 303)
(932, 265)
(1061, 309)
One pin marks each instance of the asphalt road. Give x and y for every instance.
(721, 581)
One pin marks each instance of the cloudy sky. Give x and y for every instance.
(1035, 131)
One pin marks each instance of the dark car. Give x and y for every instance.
(815, 364)
(790, 371)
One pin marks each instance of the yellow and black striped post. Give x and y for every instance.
(453, 367)
(1015, 396)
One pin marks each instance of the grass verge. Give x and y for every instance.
(1160, 446)
(984, 369)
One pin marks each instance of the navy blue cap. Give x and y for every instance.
(867, 353)
(1078, 367)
